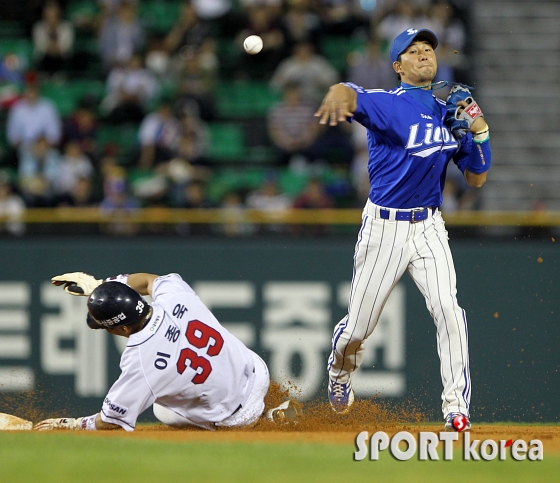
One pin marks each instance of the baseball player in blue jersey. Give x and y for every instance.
(412, 136)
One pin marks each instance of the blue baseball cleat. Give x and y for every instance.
(341, 396)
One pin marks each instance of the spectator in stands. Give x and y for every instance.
(178, 157)
(74, 165)
(311, 71)
(234, 218)
(33, 117)
(340, 17)
(268, 198)
(189, 31)
(117, 203)
(263, 21)
(110, 7)
(195, 197)
(11, 70)
(157, 58)
(405, 14)
(129, 91)
(195, 135)
(189, 154)
(195, 72)
(300, 24)
(82, 126)
(12, 208)
(158, 136)
(314, 196)
(189, 150)
(11, 79)
(371, 69)
(86, 17)
(81, 196)
(292, 127)
(275, 4)
(212, 10)
(38, 173)
(188, 165)
(450, 29)
(150, 188)
(53, 39)
(121, 36)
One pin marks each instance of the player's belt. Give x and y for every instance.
(414, 216)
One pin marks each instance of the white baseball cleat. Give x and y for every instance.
(341, 396)
(457, 422)
(288, 412)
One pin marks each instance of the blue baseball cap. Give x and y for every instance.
(403, 40)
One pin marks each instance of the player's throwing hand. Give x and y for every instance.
(338, 105)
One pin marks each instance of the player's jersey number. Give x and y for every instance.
(200, 336)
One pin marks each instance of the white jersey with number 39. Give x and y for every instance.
(184, 360)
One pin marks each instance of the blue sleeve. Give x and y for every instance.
(462, 156)
(476, 157)
(373, 105)
(480, 158)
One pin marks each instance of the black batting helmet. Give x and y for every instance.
(113, 304)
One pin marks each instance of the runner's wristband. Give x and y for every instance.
(123, 278)
(481, 136)
(88, 423)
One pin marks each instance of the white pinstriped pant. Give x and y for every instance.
(385, 249)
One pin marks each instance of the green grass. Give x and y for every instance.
(83, 458)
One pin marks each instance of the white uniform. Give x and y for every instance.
(188, 366)
(385, 250)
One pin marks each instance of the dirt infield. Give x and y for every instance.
(320, 424)
(549, 435)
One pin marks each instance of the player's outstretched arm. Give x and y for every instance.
(339, 104)
(142, 282)
(75, 424)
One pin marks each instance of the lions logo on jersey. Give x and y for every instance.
(430, 140)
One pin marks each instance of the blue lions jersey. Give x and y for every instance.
(409, 146)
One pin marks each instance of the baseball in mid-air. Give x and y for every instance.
(253, 44)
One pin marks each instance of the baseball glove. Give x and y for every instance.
(59, 423)
(459, 119)
(77, 283)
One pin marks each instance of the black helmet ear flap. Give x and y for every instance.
(92, 323)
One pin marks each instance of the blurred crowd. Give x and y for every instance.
(162, 84)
